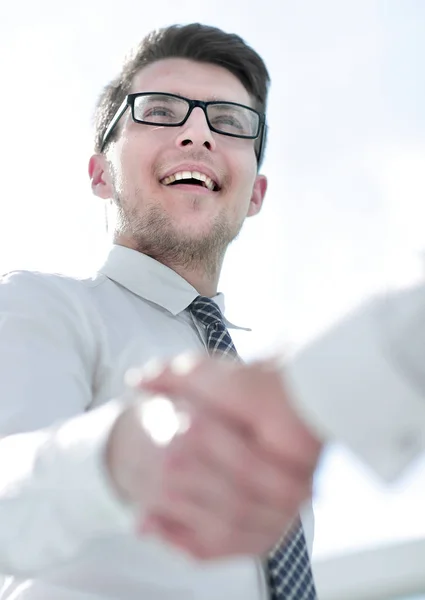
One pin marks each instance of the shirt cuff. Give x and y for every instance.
(345, 387)
(80, 447)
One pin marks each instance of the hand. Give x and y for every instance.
(134, 459)
(233, 483)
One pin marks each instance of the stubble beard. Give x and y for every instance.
(155, 235)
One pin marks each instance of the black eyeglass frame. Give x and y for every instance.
(129, 101)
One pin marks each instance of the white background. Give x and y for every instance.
(345, 211)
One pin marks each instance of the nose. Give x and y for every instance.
(195, 133)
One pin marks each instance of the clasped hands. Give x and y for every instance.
(234, 480)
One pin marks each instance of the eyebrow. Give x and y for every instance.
(212, 98)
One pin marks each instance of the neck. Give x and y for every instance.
(203, 279)
(202, 272)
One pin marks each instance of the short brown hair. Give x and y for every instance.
(196, 42)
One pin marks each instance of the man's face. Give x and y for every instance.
(135, 173)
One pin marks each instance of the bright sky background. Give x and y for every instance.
(345, 211)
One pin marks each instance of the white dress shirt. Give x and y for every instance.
(65, 345)
(363, 382)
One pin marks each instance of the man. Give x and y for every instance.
(362, 382)
(179, 140)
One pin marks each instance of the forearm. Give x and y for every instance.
(362, 382)
(55, 493)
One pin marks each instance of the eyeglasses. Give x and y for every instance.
(169, 110)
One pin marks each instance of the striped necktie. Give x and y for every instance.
(288, 564)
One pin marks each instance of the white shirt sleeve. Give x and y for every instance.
(54, 492)
(363, 382)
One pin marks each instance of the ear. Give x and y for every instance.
(99, 172)
(258, 193)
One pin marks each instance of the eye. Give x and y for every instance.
(158, 111)
(228, 120)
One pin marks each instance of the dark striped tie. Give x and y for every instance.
(288, 564)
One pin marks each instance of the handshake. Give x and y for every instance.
(232, 478)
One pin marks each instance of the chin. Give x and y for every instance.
(195, 219)
(194, 231)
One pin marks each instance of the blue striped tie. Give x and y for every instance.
(288, 564)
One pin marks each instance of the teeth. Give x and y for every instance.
(208, 182)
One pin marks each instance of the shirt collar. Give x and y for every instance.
(153, 281)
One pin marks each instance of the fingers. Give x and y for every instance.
(217, 498)
(234, 480)
(201, 379)
(244, 464)
(211, 539)
(251, 397)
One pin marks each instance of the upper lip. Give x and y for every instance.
(193, 167)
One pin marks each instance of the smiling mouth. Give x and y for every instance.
(194, 178)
